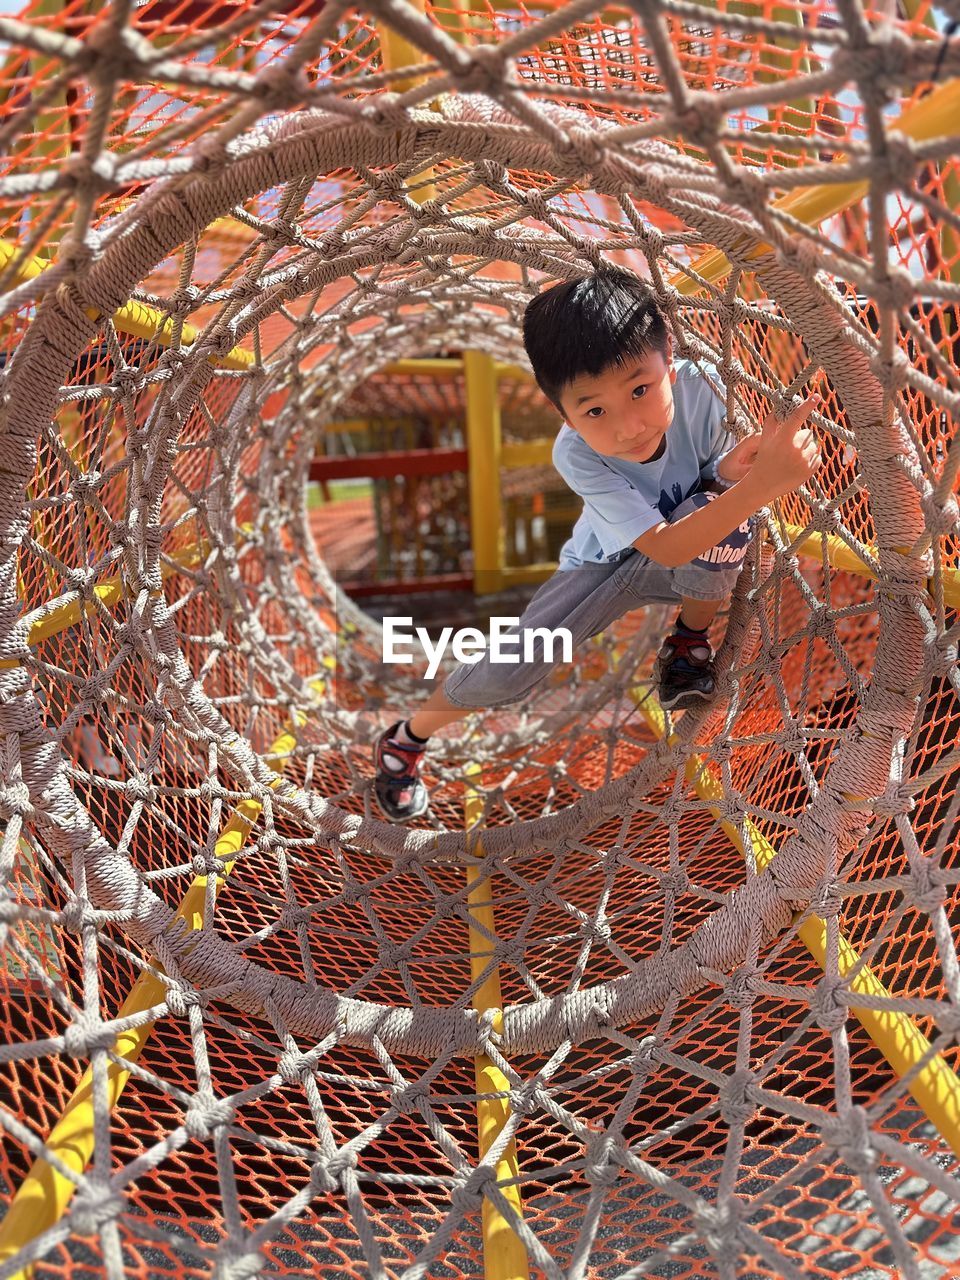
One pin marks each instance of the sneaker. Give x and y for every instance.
(397, 785)
(684, 672)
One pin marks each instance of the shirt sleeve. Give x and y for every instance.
(718, 440)
(617, 513)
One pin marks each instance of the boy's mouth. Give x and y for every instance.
(643, 451)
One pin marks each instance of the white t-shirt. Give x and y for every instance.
(623, 499)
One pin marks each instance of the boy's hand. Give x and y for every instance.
(735, 465)
(786, 452)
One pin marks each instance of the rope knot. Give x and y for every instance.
(139, 788)
(210, 161)
(184, 300)
(901, 159)
(207, 864)
(583, 146)
(95, 1206)
(719, 1226)
(469, 1193)
(526, 1101)
(596, 930)
(483, 71)
(742, 987)
(849, 1137)
(700, 120)
(645, 1055)
(181, 999)
(800, 255)
(73, 917)
(15, 799)
(86, 1035)
(492, 172)
(98, 176)
(537, 206)
(827, 897)
(599, 1171)
(205, 1114)
(941, 519)
(84, 484)
(927, 891)
(897, 291)
(676, 882)
(407, 1098)
(80, 581)
(238, 1266)
(487, 1035)
(737, 1101)
(828, 1004)
(293, 1065)
(393, 954)
(322, 1181)
(383, 116)
(894, 803)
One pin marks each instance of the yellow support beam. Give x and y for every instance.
(45, 1194)
(504, 1256)
(484, 443)
(840, 556)
(932, 117)
(527, 453)
(396, 51)
(449, 368)
(133, 318)
(107, 593)
(935, 1087)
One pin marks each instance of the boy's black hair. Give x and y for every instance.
(586, 325)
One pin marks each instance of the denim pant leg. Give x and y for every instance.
(585, 600)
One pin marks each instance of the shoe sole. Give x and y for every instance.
(398, 821)
(400, 818)
(683, 701)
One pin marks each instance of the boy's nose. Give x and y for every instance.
(628, 436)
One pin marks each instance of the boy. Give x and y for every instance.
(642, 437)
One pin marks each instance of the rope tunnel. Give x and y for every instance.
(642, 995)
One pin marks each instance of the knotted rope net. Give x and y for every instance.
(696, 982)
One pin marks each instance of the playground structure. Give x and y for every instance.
(639, 997)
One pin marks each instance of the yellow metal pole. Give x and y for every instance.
(843, 557)
(936, 1087)
(43, 1197)
(484, 444)
(504, 1256)
(134, 318)
(932, 117)
(108, 593)
(397, 51)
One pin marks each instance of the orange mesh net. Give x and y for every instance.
(695, 986)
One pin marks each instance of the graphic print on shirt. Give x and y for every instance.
(668, 502)
(729, 550)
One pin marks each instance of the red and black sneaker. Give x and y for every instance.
(397, 784)
(684, 671)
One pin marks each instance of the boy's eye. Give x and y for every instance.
(639, 391)
(595, 412)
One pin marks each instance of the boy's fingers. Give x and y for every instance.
(803, 410)
(797, 414)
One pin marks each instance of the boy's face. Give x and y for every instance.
(625, 411)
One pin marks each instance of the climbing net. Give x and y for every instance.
(693, 984)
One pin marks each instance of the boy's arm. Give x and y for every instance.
(786, 456)
(693, 534)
